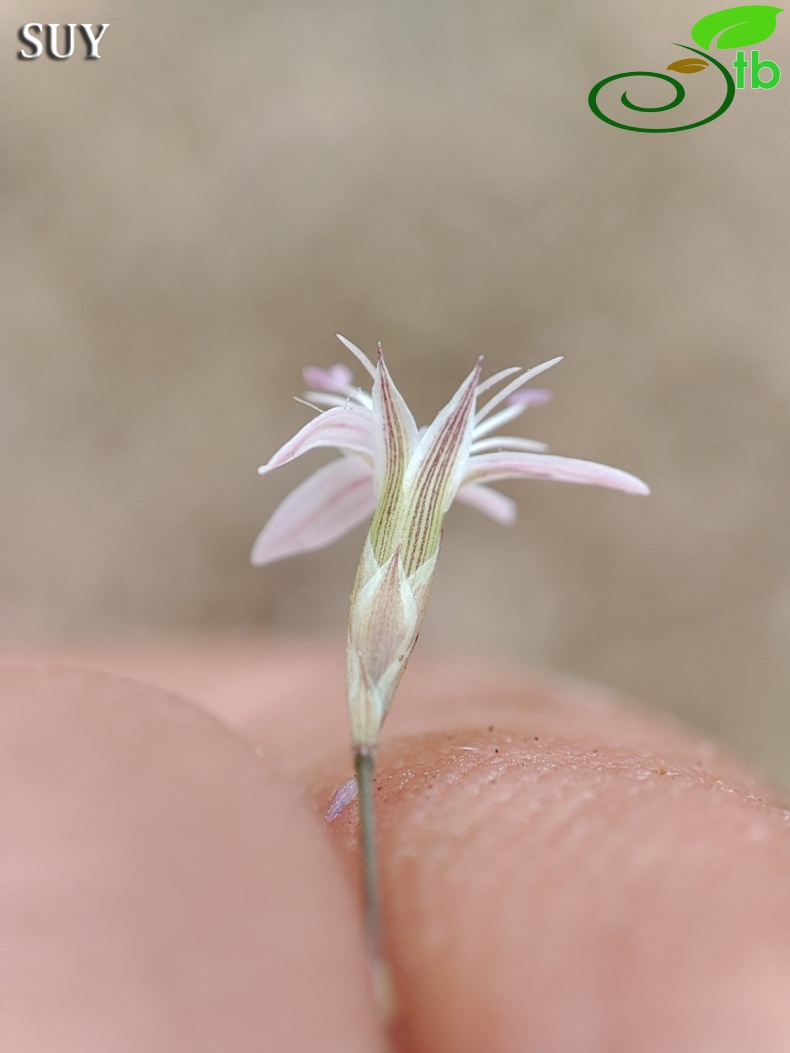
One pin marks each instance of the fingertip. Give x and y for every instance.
(167, 890)
(546, 895)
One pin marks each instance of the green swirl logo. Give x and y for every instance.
(734, 27)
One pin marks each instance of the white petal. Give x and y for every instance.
(488, 467)
(518, 402)
(499, 507)
(514, 385)
(324, 507)
(316, 399)
(496, 420)
(360, 355)
(346, 427)
(486, 385)
(507, 442)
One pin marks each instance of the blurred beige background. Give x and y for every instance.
(192, 219)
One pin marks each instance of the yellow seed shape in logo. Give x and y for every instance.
(688, 65)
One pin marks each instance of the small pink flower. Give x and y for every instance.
(343, 494)
(405, 478)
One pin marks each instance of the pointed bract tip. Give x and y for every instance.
(358, 354)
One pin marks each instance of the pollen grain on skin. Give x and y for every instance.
(341, 799)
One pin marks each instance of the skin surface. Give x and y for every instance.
(561, 872)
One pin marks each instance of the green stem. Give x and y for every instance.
(364, 760)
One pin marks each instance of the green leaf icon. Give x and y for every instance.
(736, 27)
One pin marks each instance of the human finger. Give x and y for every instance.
(163, 889)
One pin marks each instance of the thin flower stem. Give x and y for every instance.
(364, 762)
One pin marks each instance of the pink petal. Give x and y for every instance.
(500, 508)
(324, 507)
(488, 467)
(530, 397)
(337, 380)
(345, 427)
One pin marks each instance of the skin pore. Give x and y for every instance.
(560, 871)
